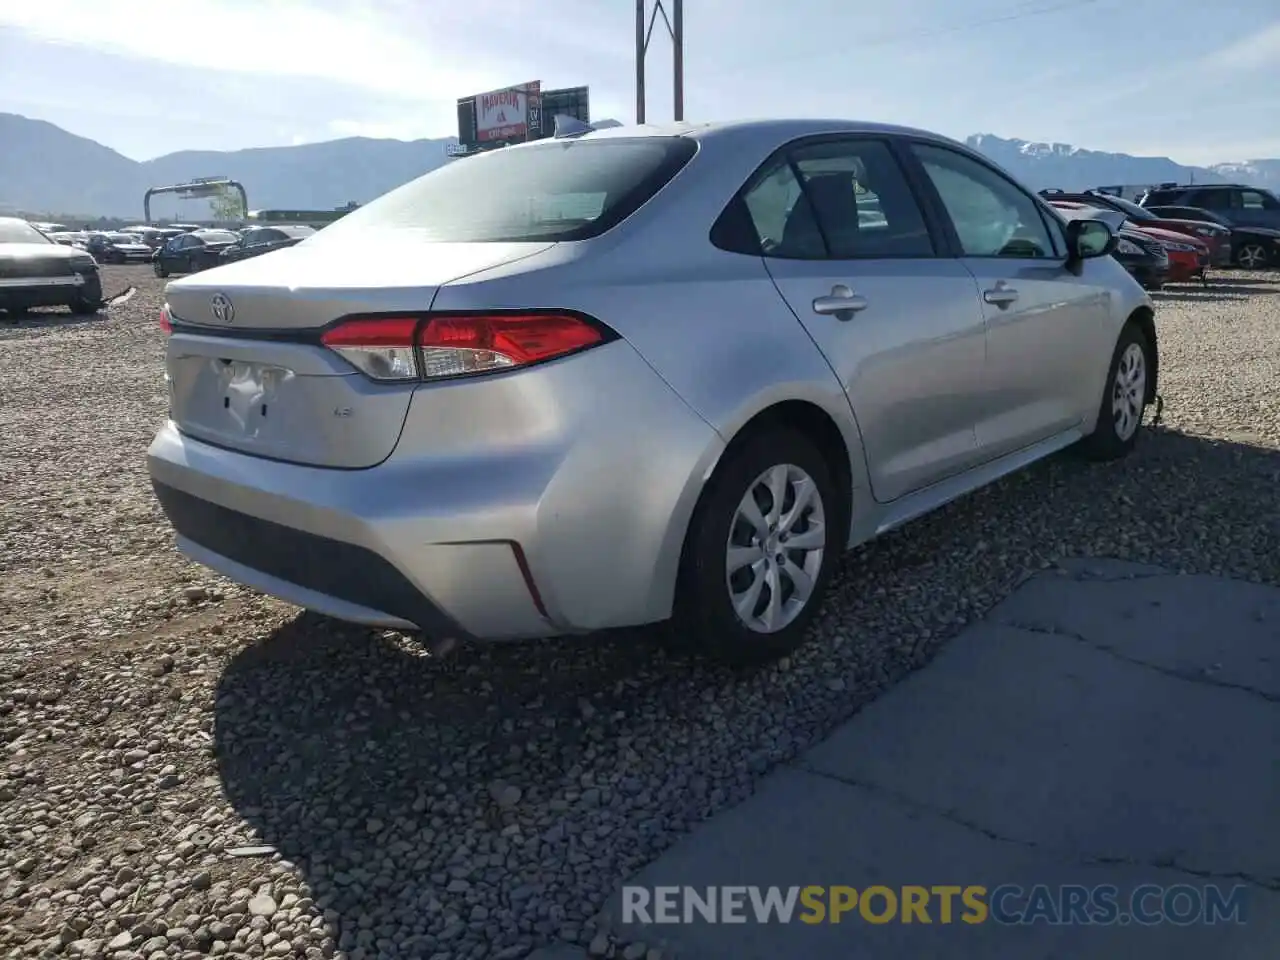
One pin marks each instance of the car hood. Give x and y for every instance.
(131, 246)
(1172, 236)
(1259, 231)
(38, 251)
(1193, 224)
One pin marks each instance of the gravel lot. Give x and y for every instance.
(157, 720)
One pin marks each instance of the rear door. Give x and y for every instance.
(850, 251)
(1046, 325)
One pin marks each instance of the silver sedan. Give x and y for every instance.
(638, 375)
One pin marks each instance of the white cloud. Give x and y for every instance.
(363, 44)
(1258, 49)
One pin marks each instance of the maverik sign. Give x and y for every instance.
(509, 114)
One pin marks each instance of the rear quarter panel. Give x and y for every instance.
(710, 323)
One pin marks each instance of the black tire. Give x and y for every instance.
(89, 299)
(161, 270)
(1108, 441)
(704, 619)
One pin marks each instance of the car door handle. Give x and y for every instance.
(842, 303)
(1001, 295)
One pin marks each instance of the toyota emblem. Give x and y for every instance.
(221, 308)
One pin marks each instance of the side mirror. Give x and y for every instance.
(1088, 239)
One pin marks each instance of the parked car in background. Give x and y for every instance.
(255, 241)
(1214, 236)
(168, 233)
(70, 238)
(151, 236)
(192, 252)
(1251, 247)
(118, 248)
(36, 272)
(682, 339)
(1188, 258)
(1241, 205)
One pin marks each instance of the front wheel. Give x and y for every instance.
(1123, 400)
(161, 270)
(760, 550)
(1252, 256)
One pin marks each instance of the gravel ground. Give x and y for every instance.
(192, 769)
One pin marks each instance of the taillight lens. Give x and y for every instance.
(165, 323)
(381, 348)
(451, 345)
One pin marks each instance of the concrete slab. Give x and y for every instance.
(1108, 724)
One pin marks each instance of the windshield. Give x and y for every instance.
(123, 238)
(19, 231)
(556, 190)
(217, 236)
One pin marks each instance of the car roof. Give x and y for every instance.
(767, 131)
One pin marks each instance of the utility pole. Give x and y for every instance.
(644, 32)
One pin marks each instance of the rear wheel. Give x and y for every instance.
(760, 549)
(1252, 256)
(1123, 400)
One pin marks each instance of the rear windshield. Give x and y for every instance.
(562, 190)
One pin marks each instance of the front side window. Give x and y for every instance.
(550, 191)
(992, 217)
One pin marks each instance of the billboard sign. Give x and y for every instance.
(509, 114)
(516, 114)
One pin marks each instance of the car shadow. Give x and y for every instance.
(383, 774)
(37, 319)
(1188, 293)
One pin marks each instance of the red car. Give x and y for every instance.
(1188, 257)
(1214, 236)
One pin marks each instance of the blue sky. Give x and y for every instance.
(1197, 82)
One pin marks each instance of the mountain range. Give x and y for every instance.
(45, 170)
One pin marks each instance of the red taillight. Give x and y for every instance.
(165, 323)
(451, 345)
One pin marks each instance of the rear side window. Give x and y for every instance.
(561, 190)
(839, 200)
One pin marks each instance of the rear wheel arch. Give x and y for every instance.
(810, 421)
(806, 437)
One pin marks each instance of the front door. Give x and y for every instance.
(1047, 326)
(849, 250)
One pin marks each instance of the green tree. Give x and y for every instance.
(226, 205)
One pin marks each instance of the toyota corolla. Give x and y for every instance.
(638, 375)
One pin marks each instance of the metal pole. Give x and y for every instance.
(640, 52)
(677, 57)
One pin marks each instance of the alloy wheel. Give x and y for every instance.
(1252, 256)
(775, 549)
(1128, 394)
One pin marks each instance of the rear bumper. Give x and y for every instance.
(575, 530)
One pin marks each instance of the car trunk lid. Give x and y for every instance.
(246, 367)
